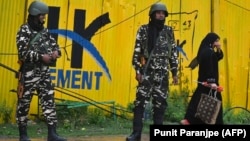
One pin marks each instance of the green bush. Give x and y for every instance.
(236, 115)
(177, 103)
(5, 112)
(72, 118)
(96, 116)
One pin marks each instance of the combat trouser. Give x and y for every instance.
(155, 85)
(36, 79)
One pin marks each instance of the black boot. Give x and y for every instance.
(137, 125)
(135, 136)
(23, 133)
(158, 116)
(52, 135)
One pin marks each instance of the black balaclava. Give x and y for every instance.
(35, 23)
(208, 41)
(155, 26)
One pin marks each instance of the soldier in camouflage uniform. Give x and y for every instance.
(37, 49)
(154, 56)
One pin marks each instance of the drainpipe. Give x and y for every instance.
(212, 15)
(215, 27)
(215, 15)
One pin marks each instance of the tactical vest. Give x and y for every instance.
(164, 43)
(39, 42)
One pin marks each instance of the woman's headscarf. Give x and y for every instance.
(208, 41)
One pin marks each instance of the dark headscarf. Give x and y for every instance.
(207, 42)
(154, 27)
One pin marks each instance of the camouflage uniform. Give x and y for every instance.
(155, 73)
(37, 50)
(36, 74)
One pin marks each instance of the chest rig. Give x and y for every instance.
(159, 57)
